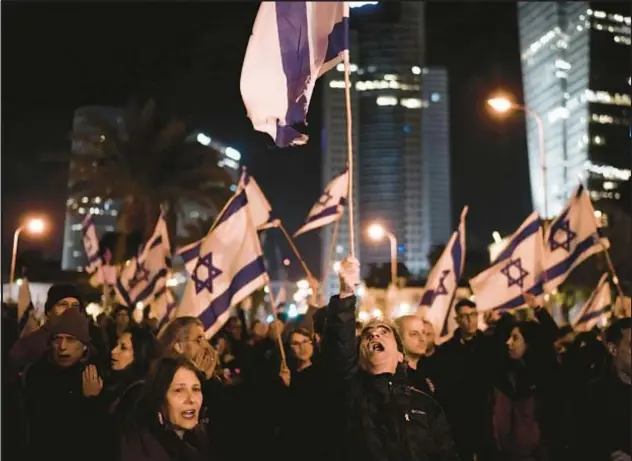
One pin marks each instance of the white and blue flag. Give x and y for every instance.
(292, 44)
(443, 281)
(516, 270)
(25, 304)
(571, 238)
(260, 209)
(225, 267)
(330, 205)
(596, 309)
(91, 244)
(146, 274)
(163, 306)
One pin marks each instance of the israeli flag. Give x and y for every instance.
(443, 281)
(516, 270)
(292, 44)
(260, 208)
(25, 304)
(147, 273)
(571, 238)
(596, 307)
(330, 206)
(225, 268)
(163, 306)
(91, 244)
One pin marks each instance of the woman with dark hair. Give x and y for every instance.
(130, 360)
(168, 422)
(524, 408)
(302, 392)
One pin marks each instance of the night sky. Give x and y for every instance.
(57, 57)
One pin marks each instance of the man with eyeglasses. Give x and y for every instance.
(464, 378)
(60, 298)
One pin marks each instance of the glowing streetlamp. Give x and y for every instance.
(32, 226)
(502, 105)
(377, 232)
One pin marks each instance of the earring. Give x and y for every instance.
(161, 420)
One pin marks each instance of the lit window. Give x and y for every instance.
(84, 200)
(76, 254)
(336, 84)
(599, 140)
(411, 103)
(435, 97)
(416, 70)
(386, 101)
(609, 185)
(390, 77)
(81, 210)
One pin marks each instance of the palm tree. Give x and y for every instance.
(146, 164)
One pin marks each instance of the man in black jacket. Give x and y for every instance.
(376, 415)
(602, 414)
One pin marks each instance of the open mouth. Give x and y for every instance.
(189, 414)
(376, 347)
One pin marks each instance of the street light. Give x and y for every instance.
(32, 226)
(377, 232)
(502, 104)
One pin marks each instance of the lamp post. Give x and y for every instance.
(377, 232)
(502, 105)
(33, 226)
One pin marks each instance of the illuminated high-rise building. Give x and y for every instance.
(105, 211)
(400, 135)
(576, 74)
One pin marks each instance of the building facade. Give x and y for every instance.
(400, 135)
(104, 210)
(576, 74)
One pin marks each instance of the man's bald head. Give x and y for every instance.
(411, 330)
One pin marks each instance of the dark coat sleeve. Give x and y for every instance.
(443, 440)
(339, 350)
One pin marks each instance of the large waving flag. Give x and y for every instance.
(444, 280)
(572, 237)
(260, 208)
(596, 307)
(225, 268)
(91, 244)
(147, 273)
(292, 44)
(330, 206)
(516, 270)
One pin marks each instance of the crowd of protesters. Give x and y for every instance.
(114, 389)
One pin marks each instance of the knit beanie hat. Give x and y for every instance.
(73, 323)
(60, 291)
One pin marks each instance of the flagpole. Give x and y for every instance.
(347, 72)
(295, 250)
(615, 278)
(332, 245)
(274, 313)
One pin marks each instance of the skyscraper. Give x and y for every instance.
(104, 210)
(401, 138)
(576, 74)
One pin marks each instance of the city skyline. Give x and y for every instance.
(204, 81)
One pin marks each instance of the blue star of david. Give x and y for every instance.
(213, 273)
(511, 280)
(324, 199)
(441, 289)
(564, 227)
(140, 275)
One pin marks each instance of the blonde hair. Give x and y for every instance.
(173, 332)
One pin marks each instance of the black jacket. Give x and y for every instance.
(377, 417)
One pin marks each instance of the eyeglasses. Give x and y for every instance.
(471, 315)
(67, 305)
